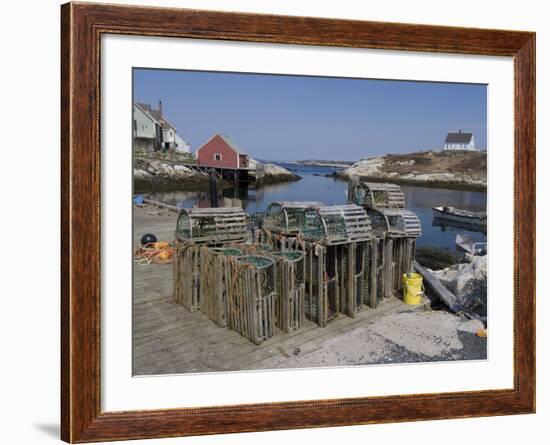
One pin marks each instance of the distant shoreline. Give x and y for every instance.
(436, 184)
(314, 163)
(386, 177)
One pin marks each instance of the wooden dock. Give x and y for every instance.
(240, 174)
(168, 339)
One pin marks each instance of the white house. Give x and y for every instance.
(181, 145)
(146, 130)
(459, 141)
(153, 132)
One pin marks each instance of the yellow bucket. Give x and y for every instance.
(413, 289)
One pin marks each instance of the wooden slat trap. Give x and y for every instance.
(237, 289)
(187, 274)
(290, 287)
(215, 278)
(289, 282)
(251, 297)
(340, 279)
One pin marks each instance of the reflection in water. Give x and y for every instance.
(331, 191)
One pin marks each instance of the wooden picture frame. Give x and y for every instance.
(82, 26)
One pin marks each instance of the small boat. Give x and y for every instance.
(460, 216)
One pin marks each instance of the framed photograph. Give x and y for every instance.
(274, 222)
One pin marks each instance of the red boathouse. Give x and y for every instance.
(220, 151)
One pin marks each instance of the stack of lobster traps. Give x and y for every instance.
(337, 247)
(246, 287)
(335, 242)
(196, 227)
(395, 230)
(305, 260)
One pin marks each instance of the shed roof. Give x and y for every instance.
(228, 141)
(458, 138)
(232, 144)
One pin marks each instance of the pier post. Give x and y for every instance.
(213, 191)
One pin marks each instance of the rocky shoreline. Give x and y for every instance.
(462, 170)
(274, 174)
(158, 175)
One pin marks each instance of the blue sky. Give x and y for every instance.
(299, 117)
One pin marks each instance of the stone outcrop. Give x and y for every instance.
(452, 169)
(275, 173)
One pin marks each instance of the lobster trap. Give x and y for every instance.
(348, 276)
(290, 288)
(395, 222)
(289, 278)
(338, 224)
(338, 279)
(215, 279)
(374, 195)
(251, 297)
(290, 217)
(216, 225)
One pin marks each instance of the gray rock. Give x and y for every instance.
(468, 282)
(141, 174)
(180, 171)
(166, 171)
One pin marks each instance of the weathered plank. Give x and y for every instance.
(444, 294)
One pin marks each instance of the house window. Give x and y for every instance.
(217, 157)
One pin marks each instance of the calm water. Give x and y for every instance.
(331, 191)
